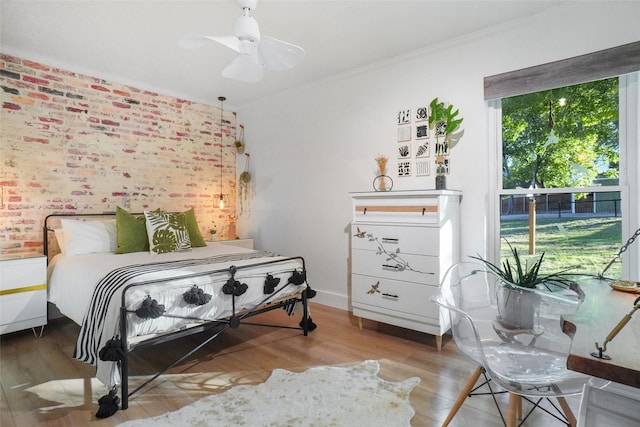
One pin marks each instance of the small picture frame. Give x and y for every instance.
(404, 133)
(404, 168)
(422, 114)
(422, 168)
(440, 129)
(423, 149)
(404, 116)
(422, 131)
(404, 151)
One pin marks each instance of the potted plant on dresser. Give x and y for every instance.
(444, 121)
(519, 284)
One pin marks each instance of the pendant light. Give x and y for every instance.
(221, 99)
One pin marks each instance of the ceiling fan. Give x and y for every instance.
(255, 52)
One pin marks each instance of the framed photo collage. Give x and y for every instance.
(416, 144)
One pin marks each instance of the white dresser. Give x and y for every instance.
(402, 243)
(23, 292)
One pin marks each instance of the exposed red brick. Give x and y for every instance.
(35, 65)
(11, 106)
(51, 77)
(121, 104)
(100, 88)
(76, 110)
(35, 80)
(37, 95)
(50, 120)
(9, 58)
(110, 122)
(32, 139)
(121, 92)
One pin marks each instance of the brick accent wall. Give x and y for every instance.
(75, 143)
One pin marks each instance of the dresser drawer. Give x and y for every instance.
(406, 267)
(421, 210)
(402, 297)
(406, 239)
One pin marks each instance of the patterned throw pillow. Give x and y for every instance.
(167, 232)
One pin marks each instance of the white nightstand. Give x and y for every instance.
(23, 293)
(243, 243)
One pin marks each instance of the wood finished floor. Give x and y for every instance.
(42, 385)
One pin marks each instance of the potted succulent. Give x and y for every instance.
(239, 143)
(444, 122)
(214, 232)
(520, 282)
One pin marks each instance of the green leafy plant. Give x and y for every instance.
(445, 115)
(523, 274)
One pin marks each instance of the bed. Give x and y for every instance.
(124, 297)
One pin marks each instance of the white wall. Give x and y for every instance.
(310, 147)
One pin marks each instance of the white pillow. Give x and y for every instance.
(85, 237)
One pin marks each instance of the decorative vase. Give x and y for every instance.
(382, 183)
(214, 237)
(517, 307)
(441, 182)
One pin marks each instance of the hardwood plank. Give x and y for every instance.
(42, 385)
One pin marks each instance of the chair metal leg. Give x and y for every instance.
(463, 395)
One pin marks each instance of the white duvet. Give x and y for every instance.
(72, 280)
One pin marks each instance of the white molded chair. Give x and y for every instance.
(527, 362)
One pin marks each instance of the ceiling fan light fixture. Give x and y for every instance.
(255, 52)
(244, 68)
(246, 27)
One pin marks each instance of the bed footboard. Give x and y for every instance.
(276, 296)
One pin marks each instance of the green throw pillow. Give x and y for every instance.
(194, 232)
(132, 232)
(167, 232)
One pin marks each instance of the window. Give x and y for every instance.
(566, 181)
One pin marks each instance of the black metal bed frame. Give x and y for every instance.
(269, 303)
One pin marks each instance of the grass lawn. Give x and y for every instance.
(585, 244)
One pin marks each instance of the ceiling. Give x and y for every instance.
(135, 42)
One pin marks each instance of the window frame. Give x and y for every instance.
(629, 179)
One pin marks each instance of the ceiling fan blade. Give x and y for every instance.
(244, 68)
(278, 54)
(192, 42)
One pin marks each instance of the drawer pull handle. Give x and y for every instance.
(390, 240)
(390, 296)
(390, 267)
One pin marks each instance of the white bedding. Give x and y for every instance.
(71, 278)
(72, 281)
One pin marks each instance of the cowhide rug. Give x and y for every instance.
(321, 396)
